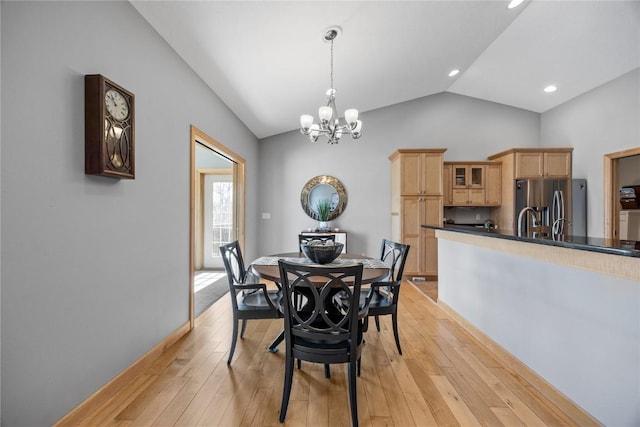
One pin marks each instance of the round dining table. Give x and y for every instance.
(267, 268)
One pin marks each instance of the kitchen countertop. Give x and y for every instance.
(593, 244)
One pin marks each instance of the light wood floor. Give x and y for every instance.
(444, 378)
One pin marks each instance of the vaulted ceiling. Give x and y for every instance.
(267, 61)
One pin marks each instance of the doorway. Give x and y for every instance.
(217, 200)
(612, 184)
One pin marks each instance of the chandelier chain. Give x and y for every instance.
(332, 87)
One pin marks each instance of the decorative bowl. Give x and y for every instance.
(321, 253)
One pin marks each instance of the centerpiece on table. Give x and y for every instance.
(322, 252)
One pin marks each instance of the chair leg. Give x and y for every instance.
(234, 338)
(377, 323)
(244, 328)
(273, 347)
(353, 400)
(359, 365)
(286, 391)
(299, 364)
(394, 320)
(327, 371)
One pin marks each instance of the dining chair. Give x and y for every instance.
(305, 238)
(249, 299)
(318, 328)
(384, 295)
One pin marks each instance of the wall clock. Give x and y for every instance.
(109, 128)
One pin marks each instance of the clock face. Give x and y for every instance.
(116, 105)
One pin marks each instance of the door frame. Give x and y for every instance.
(199, 137)
(611, 187)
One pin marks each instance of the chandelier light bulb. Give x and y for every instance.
(325, 114)
(351, 116)
(315, 131)
(306, 120)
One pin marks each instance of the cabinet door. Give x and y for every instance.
(493, 185)
(529, 165)
(432, 210)
(459, 176)
(431, 164)
(411, 216)
(430, 252)
(446, 184)
(410, 176)
(460, 197)
(476, 196)
(475, 176)
(411, 221)
(557, 165)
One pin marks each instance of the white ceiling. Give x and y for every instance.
(266, 59)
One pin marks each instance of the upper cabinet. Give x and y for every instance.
(420, 171)
(468, 175)
(542, 164)
(472, 184)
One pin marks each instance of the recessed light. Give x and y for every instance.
(453, 72)
(514, 3)
(550, 88)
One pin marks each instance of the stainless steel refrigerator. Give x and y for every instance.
(551, 207)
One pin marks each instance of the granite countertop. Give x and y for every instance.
(593, 244)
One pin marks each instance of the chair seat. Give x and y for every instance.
(379, 300)
(256, 300)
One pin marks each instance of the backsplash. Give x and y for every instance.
(464, 215)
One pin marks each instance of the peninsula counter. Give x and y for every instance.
(568, 310)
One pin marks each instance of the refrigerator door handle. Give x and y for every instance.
(558, 212)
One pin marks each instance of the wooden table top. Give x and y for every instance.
(272, 272)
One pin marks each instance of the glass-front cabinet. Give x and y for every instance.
(472, 183)
(468, 176)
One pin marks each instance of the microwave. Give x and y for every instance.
(630, 197)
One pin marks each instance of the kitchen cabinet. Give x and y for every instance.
(468, 175)
(523, 163)
(472, 184)
(420, 173)
(416, 200)
(447, 171)
(542, 164)
(493, 184)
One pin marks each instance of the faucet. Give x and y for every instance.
(531, 212)
(558, 226)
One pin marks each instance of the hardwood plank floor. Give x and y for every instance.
(444, 378)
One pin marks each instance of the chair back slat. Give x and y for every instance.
(394, 255)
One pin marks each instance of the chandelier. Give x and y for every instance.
(329, 125)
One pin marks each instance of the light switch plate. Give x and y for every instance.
(266, 215)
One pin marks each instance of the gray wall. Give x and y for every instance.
(470, 129)
(602, 121)
(94, 270)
